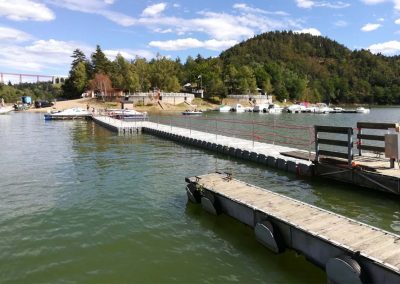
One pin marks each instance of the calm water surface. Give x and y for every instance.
(82, 205)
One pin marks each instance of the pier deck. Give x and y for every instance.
(370, 172)
(267, 154)
(325, 238)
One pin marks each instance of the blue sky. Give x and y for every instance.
(38, 36)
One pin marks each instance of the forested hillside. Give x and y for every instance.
(306, 67)
(296, 67)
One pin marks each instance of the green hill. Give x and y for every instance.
(306, 67)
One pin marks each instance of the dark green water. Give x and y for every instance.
(82, 205)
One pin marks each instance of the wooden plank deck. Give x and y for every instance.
(377, 245)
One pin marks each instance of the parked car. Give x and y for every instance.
(40, 104)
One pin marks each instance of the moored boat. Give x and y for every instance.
(238, 108)
(362, 110)
(224, 108)
(72, 113)
(192, 112)
(273, 108)
(6, 109)
(126, 114)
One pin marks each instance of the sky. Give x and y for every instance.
(39, 36)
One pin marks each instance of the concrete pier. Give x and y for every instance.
(263, 153)
(349, 251)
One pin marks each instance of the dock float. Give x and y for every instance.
(263, 153)
(349, 251)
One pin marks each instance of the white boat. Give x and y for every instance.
(126, 114)
(362, 110)
(273, 108)
(72, 113)
(192, 112)
(4, 110)
(322, 108)
(261, 108)
(238, 108)
(337, 110)
(224, 108)
(295, 108)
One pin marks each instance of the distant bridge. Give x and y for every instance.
(19, 77)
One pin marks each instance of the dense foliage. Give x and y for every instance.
(42, 90)
(296, 67)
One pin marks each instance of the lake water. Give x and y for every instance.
(80, 204)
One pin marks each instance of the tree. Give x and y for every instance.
(124, 75)
(100, 63)
(101, 83)
(78, 57)
(75, 85)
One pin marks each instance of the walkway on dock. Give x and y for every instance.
(325, 238)
(264, 153)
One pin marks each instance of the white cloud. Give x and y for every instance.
(189, 43)
(397, 22)
(40, 55)
(374, 2)
(386, 48)
(305, 3)
(308, 4)
(245, 8)
(25, 10)
(341, 23)
(100, 7)
(128, 53)
(370, 27)
(154, 10)
(311, 31)
(13, 35)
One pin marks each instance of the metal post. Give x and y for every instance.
(253, 132)
(350, 145)
(190, 128)
(316, 144)
(359, 141)
(274, 132)
(216, 130)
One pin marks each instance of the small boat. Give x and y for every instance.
(337, 110)
(295, 108)
(126, 114)
(362, 110)
(273, 108)
(238, 108)
(192, 112)
(322, 108)
(5, 109)
(224, 108)
(72, 113)
(262, 108)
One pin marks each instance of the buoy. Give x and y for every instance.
(268, 235)
(343, 269)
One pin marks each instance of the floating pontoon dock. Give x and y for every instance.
(364, 170)
(349, 251)
(267, 154)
